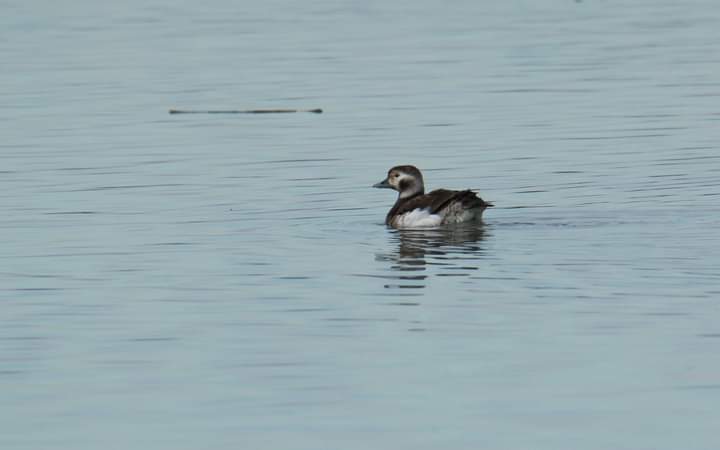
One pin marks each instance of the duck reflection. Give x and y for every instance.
(451, 249)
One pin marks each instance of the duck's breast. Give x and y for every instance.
(417, 218)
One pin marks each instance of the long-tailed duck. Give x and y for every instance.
(415, 208)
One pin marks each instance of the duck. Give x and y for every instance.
(414, 208)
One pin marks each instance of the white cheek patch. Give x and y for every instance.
(395, 181)
(408, 192)
(418, 218)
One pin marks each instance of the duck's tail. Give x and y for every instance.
(470, 199)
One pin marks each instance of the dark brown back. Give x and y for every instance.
(436, 200)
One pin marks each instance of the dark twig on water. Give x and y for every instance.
(246, 111)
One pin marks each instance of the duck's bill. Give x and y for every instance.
(383, 185)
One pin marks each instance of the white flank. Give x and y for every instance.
(418, 218)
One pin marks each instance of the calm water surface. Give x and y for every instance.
(186, 282)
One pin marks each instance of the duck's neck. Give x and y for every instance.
(410, 193)
(401, 200)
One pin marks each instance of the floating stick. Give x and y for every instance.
(246, 111)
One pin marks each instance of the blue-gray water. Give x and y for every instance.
(224, 282)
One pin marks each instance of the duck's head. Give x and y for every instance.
(407, 180)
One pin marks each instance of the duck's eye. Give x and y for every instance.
(395, 175)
